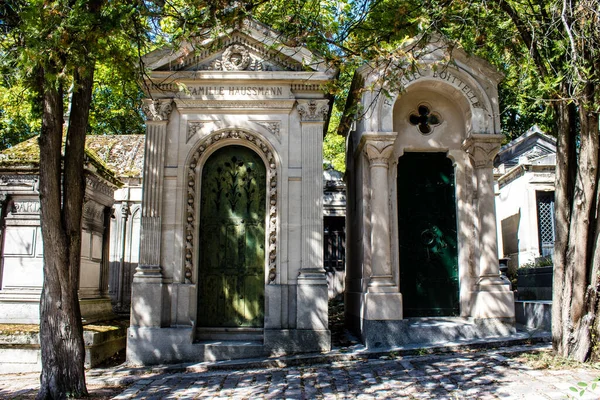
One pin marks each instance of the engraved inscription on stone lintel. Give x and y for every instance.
(445, 75)
(238, 91)
(25, 207)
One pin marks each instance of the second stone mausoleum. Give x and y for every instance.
(421, 245)
(231, 253)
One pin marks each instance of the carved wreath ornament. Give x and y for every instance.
(190, 230)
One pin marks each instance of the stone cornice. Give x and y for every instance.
(188, 105)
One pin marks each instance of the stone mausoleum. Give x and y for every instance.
(231, 252)
(422, 257)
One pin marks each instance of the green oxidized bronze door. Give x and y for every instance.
(427, 235)
(232, 239)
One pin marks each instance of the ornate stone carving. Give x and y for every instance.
(95, 185)
(272, 126)
(191, 181)
(236, 58)
(31, 181)
(157, 110)
(313, 110)
(193, 129)
(482, 148)
(378, 152)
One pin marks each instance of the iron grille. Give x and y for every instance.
(334, 249)
(546, 228)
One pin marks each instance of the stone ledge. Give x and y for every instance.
(20, 346)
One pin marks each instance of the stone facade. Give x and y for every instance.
(238, 91)
(124, 154)
(448, 109)
(525, 174)
(22, 263)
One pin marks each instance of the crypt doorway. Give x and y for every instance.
(427, 237)
(231, 278)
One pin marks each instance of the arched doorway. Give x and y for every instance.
(231, 274)
(427, 235)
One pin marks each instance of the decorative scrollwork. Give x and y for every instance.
(157, 110)
(313, 110)
(191, 180)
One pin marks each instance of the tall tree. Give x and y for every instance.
(52, 49)
(51, 46)
(550, 52)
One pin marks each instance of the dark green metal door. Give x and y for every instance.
(427, 235)
(232, 239)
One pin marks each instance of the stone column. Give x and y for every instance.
(378, 151)
(312, 282)
(492, 295)
(122, 246)
(147, 281)
(382, 300)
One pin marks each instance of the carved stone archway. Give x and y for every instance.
(233, 136)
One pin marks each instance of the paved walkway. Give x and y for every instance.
(466, 374)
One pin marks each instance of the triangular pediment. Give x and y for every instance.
(251, 47)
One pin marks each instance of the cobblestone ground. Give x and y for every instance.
(491, 374)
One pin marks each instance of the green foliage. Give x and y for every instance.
(18, 121)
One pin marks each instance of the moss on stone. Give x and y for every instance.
(27, 153)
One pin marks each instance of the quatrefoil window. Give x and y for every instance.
(424, 119)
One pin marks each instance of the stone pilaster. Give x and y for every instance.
(312, 282)
(492, 295)
(147, 281)
(382, 300)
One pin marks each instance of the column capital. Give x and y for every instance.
(312, 110)
(157, 109)
(482, 148)
(378, 149)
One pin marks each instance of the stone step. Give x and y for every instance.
(230, 334)
(433, 330)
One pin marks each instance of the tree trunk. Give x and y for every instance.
(575, 292)
(61, 331)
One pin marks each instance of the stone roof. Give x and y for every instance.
(25, 156)
(531, 147)
(124, 154)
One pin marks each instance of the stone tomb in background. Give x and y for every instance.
(231, 254)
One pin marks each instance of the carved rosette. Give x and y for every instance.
(313, 110)
(191, 181)
(157, 110)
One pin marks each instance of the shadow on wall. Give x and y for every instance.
(510, 240)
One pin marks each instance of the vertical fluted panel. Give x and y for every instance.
(312, 195)
(152, 193)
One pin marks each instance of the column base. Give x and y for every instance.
(493, 298)
(147, 296)
(312, 297)
(382, 306)
(382, 284)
